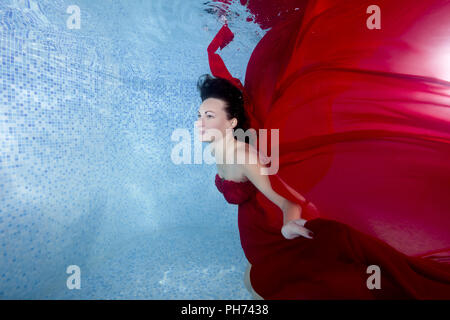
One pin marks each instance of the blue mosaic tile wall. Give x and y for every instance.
(86, 177)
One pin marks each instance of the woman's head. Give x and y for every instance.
(222, 105)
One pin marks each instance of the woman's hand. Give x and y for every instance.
(295, 228)
(293, 225)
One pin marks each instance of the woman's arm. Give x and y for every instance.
(292, 219)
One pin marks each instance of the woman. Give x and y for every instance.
(291, 256)
(222, 109)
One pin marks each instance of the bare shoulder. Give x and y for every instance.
(250, 152)
(245, 147)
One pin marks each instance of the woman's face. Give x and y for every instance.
(212, 115)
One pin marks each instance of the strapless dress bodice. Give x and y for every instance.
(235, 192)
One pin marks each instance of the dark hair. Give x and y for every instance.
(219, 88)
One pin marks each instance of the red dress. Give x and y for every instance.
(364, 133)
(333, 265)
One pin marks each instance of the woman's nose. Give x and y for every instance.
(199, 123)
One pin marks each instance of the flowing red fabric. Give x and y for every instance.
(336, 264)
(364, 120)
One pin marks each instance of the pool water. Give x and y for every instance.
(86, 177)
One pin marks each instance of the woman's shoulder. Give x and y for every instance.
(249, 151)
(245, 146)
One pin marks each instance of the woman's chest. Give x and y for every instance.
(231, 172)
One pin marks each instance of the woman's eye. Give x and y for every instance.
(209, 116)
